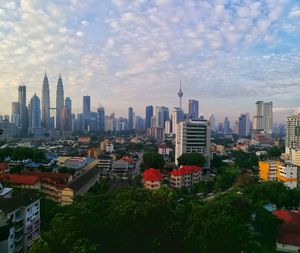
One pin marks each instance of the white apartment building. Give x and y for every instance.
(287, 173)
(292, 133)
(193, 136)
(23, 211)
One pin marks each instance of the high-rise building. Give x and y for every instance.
(162, 115)
(193, 109)
(130, 118)
(263, 120)
(45, 103)
(177, 116)
(59, 102)
(268, 117)
(149, 114)
(243, 125)
(35, 115)
(86, 112)
(23, 109)
(292, 133)
(100, 119)
(66, 119)
(15, 113)
(226, 126)
(68, 103)
(212, 120)
(193, 136)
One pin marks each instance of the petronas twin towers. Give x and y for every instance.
(46, 103)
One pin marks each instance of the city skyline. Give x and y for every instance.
(225, 54)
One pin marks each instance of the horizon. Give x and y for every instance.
(228, 55)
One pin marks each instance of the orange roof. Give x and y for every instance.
(20, 179)
(185, 169)
(152, 175)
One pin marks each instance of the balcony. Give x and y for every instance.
(18, 238)
(19, 248)
(19, 227)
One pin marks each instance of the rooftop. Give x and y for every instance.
(152, 175)
(289, 231)
(19, 179)
(185, 169)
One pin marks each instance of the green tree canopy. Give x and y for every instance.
(152, 160)
(191, 159)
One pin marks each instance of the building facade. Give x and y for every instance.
(193, 136)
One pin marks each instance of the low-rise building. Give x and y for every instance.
(268, 169)
(120, 167)
(75, 162)
(22, 181)
(107, 146)
(105, 162)
(287, 174)
(164, 150)
(280, 171)
(21, 211)
(288, 236)
(152, 179)
(185, 176)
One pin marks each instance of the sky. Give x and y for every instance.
(227, 53)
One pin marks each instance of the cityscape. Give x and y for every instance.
(149, 126)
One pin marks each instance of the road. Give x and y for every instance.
(137, 168)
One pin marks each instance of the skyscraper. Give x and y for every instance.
(67, 115)
(59, 102)
(193, 109)
(15, 113)
(35, 113)
(193, 136)
(68, 103)
(130, 118)
(149, 114)
(292, 133)
(86, 112)
(45, 103)
(263, 120)
(244, 125)
(177, 116)
(162, 115)
(100, 119)
(23, 109)
(212, 120)
(226, 126)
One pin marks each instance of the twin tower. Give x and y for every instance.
(46, 103)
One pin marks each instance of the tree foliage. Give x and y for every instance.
(245, 160)
(152, 160)
(191, 159)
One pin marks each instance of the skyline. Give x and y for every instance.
(227, 54)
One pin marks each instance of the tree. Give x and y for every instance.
(39, 246)
(152, 160)
(191, 159)
(245, 160)
(275, 151)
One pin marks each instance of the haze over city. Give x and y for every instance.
(228, 54)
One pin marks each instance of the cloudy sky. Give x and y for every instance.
(228, 53)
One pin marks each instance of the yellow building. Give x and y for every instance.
(268, 170)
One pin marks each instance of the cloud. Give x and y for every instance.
(138, 50)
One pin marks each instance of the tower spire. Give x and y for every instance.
(180, 94)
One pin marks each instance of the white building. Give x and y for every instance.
(287, 173)
(263, 120)
(23, 211)
(292, 133)
(193, 136)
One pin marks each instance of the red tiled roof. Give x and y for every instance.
(185, 169)
(289, 231)
(152, 175)
(20, 179)
(3, 166)
(127, 159)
